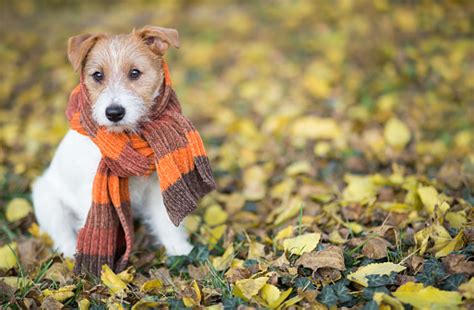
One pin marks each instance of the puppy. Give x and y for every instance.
(123, 74)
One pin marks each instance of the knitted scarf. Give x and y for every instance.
(167, 143)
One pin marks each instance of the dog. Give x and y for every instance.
(123, 74)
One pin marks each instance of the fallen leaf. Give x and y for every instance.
(17, 209)
(384, 299)
(376, 248)
(58, 272)
(299, 167)
(286, 212)
(272, 295)
(115, 284)
(223, 262)
(360, 275)
(8, 256)
(453, 245)
(60, 294)
(247, 288)
(193, 299)
(84, 304)
(330, 257)
(467, 289)
(256, 250)
(311, 127)
(214, 215)
(254, 183)
(359, 189)
(152, 286)
(396, 133)
(301, 244)
(427, 297)
(429, 197)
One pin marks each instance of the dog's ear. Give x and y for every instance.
(78, 47)
(159, 39)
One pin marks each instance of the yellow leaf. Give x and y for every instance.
(354, 227)
(453, 245)
(8, 256)
(113, 281)
(256, 250)
(421, 239)
(16, 282)
(286, 212)
(270, 293)
(456, 219)
(84, 304)
(146, 304)
(359, 188)
(283, 296)
(336, 238)
(360, 275)
(322, 149)
(151, 286)
(127, 275)
(384, 299)
(247, 288)
(429, 197)
(467, 289)
(299, 167)
(312, 127)
(223, 262)
(195, 299)
(60, 294)
(254, 179)
(396, 133)
(283, 234)
(17, 209)
(214, 215)
(283, 188)
(290, 302)
(213, 235)
(301, 244)
(427, 297)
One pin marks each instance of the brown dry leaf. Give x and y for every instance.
(376, 248)
(330, 257)
(51, 304)
(457, 263)
(59, 272)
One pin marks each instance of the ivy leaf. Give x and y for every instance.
(432, 273)
(327, 296)
(371, 305)
(453, 282)
(375, 280)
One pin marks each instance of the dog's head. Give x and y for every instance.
(123, 73)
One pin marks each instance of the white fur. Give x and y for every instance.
(62, 197)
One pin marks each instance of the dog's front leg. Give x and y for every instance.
(155, 216)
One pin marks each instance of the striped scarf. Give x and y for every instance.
(166, 143)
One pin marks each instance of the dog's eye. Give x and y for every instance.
(98, 76)
(134, 74)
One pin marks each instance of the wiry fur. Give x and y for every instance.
(62, 196)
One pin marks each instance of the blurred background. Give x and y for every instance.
(257, 77)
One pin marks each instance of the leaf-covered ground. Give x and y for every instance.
(340, 133)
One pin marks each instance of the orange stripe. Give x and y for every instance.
(99, 190)
(110, 144)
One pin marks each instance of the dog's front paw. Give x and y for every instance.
(181, 248)
(68, 249)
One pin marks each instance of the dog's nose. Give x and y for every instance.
(115, 112)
